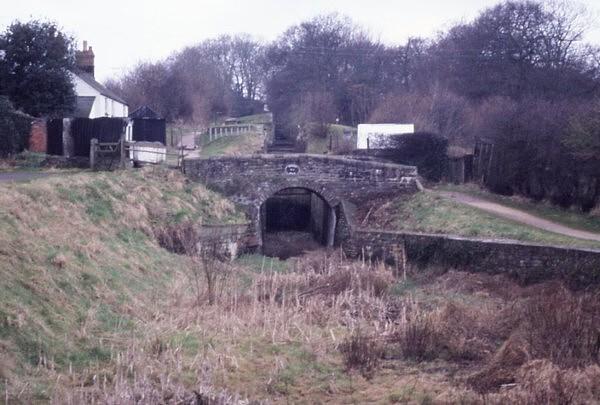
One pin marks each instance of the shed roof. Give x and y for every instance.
(144, 112)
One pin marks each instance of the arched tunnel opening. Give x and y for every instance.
(296, 220)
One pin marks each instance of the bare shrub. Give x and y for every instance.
(209, 254)
(451, 332)
(542, 382)
(563, 327)
(175, 237)
(361, 352)
(468, 334)
(555, 325)
(418, 338)
(502, 367)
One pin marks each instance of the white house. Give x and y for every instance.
(94, 100)
(375, 136)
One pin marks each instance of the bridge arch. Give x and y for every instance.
(320, 189)
(295, 217)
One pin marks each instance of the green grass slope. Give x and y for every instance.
(569, 217)
(430, 212)
(234, 145)
(79, 263)
(334, 139)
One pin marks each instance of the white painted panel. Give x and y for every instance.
(374, 136)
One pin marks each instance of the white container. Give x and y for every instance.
(375, 136)
(148, 152)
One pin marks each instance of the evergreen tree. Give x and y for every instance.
(34, 68)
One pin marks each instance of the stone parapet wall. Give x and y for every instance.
(250, 180)
(336, 178)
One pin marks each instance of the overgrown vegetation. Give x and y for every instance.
(14, 128)
(334, 330)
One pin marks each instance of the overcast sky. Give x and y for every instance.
(124, 32)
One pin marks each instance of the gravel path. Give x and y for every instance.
(518, 215)
(8, 177)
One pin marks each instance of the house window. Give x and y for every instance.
(106, 107)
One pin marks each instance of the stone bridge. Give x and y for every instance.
(286, 184)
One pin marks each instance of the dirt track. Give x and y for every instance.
(23, 176)
(518, 215)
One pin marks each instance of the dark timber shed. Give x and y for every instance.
(148, 126)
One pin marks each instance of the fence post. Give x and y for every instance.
(122, 146)
(93, 150)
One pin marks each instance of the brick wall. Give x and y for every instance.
(38, 137)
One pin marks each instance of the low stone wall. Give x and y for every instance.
(526, 262)
(233, 239)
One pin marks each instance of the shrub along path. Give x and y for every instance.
(518, 215)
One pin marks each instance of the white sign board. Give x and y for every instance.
(374, 136)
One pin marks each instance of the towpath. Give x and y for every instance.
(518, 215)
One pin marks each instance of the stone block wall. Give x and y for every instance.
(526, 262)
(252, 179)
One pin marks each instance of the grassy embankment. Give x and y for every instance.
(94, 310)
(430, 212)
(244, 144)
(320, 145)
(571, 217)
(234, 145)
(79, 264)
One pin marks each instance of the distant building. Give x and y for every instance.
(375, 136)
(94, 100)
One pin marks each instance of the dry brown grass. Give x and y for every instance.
(361, 352)
(289, 337)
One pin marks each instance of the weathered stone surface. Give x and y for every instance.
(251, 180)
(526, 262)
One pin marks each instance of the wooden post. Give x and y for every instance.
(399, 252)
(122, 146)
(93, 150)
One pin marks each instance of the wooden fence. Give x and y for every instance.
(117, 155)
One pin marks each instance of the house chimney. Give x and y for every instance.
(85, 59)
